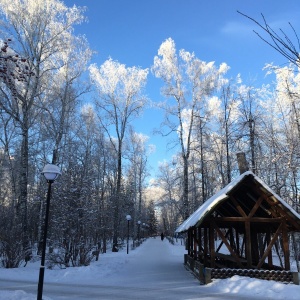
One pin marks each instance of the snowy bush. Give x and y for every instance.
(11, 254)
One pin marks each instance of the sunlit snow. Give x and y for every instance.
(112, 266)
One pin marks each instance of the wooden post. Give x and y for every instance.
(207, 275)
(199, 242)
(212, 244)
(285, 241)
(195, 243)
(296, 278)
(248, 243)
(189, 242)
(237, 238)
(270, 256)
(205, 247)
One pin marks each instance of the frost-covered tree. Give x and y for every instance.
(224, 111)
(250, 125)
(120, 101)
(41, 32)
(284, 109)
(138, 154)
(169, 197)
(152, 218)
(187, 83)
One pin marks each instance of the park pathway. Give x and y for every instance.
(153, 271)
(155, 266)
(157, 273)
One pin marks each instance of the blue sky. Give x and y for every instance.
(131, 32)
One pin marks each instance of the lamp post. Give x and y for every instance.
(138, 235)
(51, 172)
(143, 228)
(128, 218)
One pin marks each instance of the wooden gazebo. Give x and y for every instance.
(241, 227)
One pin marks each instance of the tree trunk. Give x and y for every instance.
(22, 211)
(252, 148)
(117, 200)
(185, 187)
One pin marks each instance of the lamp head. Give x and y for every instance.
(51, 172)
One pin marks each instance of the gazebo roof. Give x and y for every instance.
(246, 188)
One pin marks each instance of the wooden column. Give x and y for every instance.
(285, 242)
(199, 242)
(254, 246)
(189, 242)
(205, 247)
(270, 256)
(237, 238)
(195, 243)
(212, 244)
(248, 243)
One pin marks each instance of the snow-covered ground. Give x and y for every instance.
(121, 268)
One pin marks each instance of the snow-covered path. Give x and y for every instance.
(154, 270)
(157, 273)
(155, 266)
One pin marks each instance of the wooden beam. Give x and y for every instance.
(244, 219)
(238, 207)
(221, 244)
(269, 248)
(256, 206)
(221, 235)
(277, 204)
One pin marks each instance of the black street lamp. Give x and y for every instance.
(51, 172)
(128, 218)
(143, 229)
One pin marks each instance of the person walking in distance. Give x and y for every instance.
(162, 236)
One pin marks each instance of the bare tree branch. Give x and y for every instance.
(281, 43)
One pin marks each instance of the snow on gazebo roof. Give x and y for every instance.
(208, 206)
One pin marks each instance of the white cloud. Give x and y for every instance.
(237, 28)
